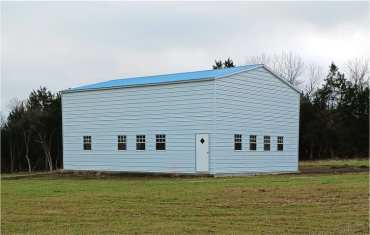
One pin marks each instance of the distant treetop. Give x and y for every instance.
(226, 64)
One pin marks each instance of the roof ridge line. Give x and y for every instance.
(164, 78)
(166, 74)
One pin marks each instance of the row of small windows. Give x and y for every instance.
(161, 142)
(122, 142)
(253, 143)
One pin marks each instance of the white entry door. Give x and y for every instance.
(202, 152)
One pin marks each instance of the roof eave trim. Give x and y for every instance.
(268, 69)
(135, 85)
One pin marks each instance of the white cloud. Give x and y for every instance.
(61, 45)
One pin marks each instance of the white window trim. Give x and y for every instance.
(268, 143)
(165, 143)
(140, 150)
(241, 142)
(118, 142)
(249, 144)
(277, 143)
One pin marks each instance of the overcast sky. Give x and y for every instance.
(65, 44)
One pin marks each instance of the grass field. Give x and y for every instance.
(272, 204)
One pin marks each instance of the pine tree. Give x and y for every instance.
(221, 65)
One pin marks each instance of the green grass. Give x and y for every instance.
(269, 204)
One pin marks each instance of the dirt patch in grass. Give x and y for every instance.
(321, 170)
(334, 166)
(305, 167)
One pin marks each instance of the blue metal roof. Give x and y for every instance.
(166, 78)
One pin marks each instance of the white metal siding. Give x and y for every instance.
(249, 103)
(177, 110)
(255, 103)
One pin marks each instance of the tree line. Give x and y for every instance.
(31, 136)
(334, 119)
(334, 115)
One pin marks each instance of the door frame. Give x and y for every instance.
(195, 151)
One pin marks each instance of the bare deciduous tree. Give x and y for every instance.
(46, 147)
(260, 59)
(21, 128)
(314, 77)
(27, 137)
(18, 107)
(44, 136)
(287, 65)
(358, 71)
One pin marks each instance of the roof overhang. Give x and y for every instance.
(136, 85)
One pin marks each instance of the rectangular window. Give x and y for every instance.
(280, 143)
(237, 142)
(87, 142)
(252, 142)
(160, 142)
(121, 142)
(140, 142)
(266, 143)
